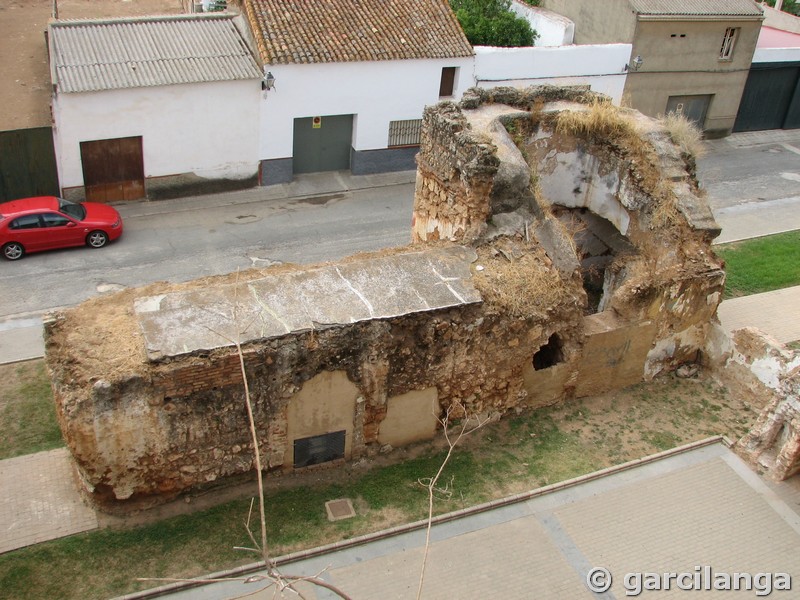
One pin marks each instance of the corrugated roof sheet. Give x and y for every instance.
(727, 8)
(323, 31)
(143, 52)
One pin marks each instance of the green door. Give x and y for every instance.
(770, 98)
(322, 143)
(27, 164)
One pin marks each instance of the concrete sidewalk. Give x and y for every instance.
(39, 500)
(757, 219)
(699, 505)
(775, 313)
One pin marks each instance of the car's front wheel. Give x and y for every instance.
(96, 239)
(13, 251)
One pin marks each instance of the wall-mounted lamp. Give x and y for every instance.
(635, 64)
(268, 83)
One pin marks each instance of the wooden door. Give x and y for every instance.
(113, 169)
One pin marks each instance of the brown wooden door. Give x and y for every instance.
(113, 169)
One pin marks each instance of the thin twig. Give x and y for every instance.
(431, 485)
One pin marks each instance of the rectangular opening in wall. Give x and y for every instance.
(404, 133)
(728, 42)
(448, 82)
(318, 449)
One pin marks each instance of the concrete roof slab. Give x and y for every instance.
(371, 288)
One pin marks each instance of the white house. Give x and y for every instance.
(148, 103)
(351, 80)
(554, 59)
(161, 106)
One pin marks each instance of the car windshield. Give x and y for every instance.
(76, 211)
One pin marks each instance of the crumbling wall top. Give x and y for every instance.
(381, 287)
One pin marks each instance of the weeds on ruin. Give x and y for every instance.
(685, 134)
(604, 124)
(601, 122)
(521, 287)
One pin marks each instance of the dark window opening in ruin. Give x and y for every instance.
(549, 355)
(598, 242)
(318, 449)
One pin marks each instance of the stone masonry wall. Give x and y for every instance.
(184, 425)
(144, 427)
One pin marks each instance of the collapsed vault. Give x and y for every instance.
(490, 307)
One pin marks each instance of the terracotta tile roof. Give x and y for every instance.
(697, 8)
(323, 31)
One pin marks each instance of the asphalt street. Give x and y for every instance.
(326, 217)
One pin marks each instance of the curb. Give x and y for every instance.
(252, 568)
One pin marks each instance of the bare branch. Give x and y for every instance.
(465, 430)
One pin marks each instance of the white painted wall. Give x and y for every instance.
(210, 129)
(766, 55)
(601, 66)
(553, 29)
(376, 92)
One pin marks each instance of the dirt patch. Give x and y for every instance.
(24, 70)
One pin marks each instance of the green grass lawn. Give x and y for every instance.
(518, 453)
(27, 413)
(761, 264)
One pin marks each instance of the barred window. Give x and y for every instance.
(405, 133)
(728, 41)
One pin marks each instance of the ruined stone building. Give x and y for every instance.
(560, 249)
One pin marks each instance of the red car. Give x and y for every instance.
(47, 222)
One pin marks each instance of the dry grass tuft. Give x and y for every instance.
(685, 134)
(607, 125)
(665, 214)
(520, 287)
(601, 122)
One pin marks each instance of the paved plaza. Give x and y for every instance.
(39, 500)
(700, 507)
(775, 313)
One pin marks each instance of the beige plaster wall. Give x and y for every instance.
(614, 354)
(410, 417)
(547, 386)
(676, 66)
(326, 403)
(597, 21)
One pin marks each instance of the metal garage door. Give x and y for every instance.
(27, 164)
(694, 108)
(322, 143)
(770, 99)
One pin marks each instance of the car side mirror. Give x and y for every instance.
(71, 224)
